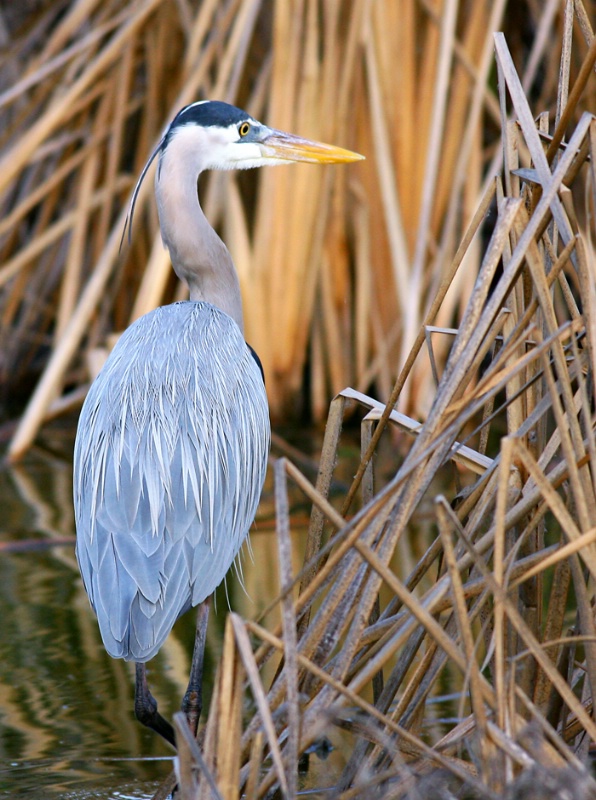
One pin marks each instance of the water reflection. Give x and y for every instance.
(67, 727)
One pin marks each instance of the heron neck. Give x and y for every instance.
(199, 256)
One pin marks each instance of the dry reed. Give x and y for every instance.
(499, 607)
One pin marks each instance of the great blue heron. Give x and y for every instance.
(173, 438)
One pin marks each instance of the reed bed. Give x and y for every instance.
(499, 609)
(368, 633)
(338, 267)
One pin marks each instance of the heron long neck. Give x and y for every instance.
(198, 255)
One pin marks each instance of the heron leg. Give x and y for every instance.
(146, 707)
(193, 699)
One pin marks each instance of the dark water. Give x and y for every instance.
(67, 727)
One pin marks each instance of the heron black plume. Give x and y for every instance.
(129, 216)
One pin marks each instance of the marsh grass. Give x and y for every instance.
(500, 606)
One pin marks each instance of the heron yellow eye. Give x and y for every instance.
(243, 128)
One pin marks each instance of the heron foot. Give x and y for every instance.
(146, 708)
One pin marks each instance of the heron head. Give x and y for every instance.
(216, 135)
(210, 134)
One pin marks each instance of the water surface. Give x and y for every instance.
(67, 727)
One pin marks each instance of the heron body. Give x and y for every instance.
(175, 432)
(173, 438)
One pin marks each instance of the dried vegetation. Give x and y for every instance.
(500, 607)
(338, 266)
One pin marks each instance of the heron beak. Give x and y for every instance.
(282, 146)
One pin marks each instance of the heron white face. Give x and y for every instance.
(218, 147)
(247, 144)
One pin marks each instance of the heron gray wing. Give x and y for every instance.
(169, 464)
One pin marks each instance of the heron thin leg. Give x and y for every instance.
(193, 699)
(146, 707)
